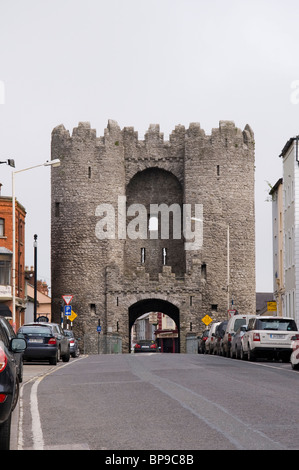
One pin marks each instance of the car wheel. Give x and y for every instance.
(232, 353)
(295, 366)
(16, 395)
(53, 360)
(242, 354)
(251, 355)
(5, 434)
(66, 357)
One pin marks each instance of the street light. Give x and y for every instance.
(9, 162)
(53, 163)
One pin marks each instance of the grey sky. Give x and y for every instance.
(140, 62)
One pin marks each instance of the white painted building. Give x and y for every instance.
(290, 158)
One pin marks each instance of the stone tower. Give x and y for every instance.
(115, 274)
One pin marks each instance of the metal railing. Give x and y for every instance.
(102, 344)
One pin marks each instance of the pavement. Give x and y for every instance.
(30, 370)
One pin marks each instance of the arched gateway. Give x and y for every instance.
(150, 225)
(154, 305)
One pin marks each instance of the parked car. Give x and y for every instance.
(45, 341)
(210, 341)
(219, 334)
(294, 359)
(269, 337)
(11, 348)
(233, 325)
(202, 341)
(236, 343)
(146, 345)
(74, 345)
(8, 329)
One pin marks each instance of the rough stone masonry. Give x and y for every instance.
(116, 279)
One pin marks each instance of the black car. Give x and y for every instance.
(45, 341)
(11, 349)
(146, 345)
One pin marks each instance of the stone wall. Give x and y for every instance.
(107, 277)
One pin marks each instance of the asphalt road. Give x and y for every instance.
(158, 402)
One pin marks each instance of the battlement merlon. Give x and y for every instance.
(227, 132)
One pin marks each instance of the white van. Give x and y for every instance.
(233, 325)
(211, 339)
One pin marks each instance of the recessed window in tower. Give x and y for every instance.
(142, 255)
(153, 223)
(89, 172)
(164, 256)
(218, 170)
(57, 209)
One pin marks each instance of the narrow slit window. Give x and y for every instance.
(218, 170)
(57, 209)
(89, 172)
(164, 256)
(142, 255)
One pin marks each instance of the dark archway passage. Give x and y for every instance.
(154, 305)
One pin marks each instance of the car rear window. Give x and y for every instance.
(239, 322)
(36, 330)
(276, 324)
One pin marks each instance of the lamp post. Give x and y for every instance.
(35, 278)
(53, 163)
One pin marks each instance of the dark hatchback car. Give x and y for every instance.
(45, 341)
(11, 349)
(146, 345)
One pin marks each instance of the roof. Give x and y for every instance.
(287, 146)
(275, 187)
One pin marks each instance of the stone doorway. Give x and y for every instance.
(154, 305)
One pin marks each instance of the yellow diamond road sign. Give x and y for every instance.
(207, 320)
(72, 316)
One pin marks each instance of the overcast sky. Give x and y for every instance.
(139, 62)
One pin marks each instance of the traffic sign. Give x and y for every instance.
(206, 320)
(72, 316)
(67, 310)
(67, 298)
(99, 329)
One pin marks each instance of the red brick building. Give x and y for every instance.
(6, 255)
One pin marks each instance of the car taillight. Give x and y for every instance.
(52, 341)
(72, 341)
(153, 346)
(2, 397)
(205, 338)
(137, 346)
(295, 338)
(3, 359)
(256, 337)
(229, 337)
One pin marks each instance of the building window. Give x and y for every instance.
(218, 170)
(164, 256)
(142, 255)
(5, 273)
(153, 223)
(2, 228)
(57, 209)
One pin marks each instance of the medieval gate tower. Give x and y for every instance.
(115, 274)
